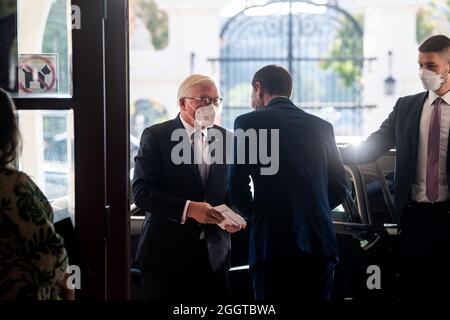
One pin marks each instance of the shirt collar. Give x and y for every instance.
(432, 96)
(190, 129)
(279, 99)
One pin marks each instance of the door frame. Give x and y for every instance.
(117, 150)
(100, 104)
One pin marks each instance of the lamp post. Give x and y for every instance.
(389, 82)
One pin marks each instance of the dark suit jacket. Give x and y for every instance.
(400, 130)
(161, 188)
(290, 210)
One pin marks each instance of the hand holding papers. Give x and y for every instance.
(232, 222)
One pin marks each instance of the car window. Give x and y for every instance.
(348, 211)
(379, 209)
(387, 165)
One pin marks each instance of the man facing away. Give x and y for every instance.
(293, 247)
(418, 127)
(182, 252)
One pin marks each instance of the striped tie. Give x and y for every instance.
(198, 139)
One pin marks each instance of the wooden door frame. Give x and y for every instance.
(117, 149)
(100, 103)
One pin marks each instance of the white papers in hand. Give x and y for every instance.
(231, 217)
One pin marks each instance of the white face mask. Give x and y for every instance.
(204, 116)
(431, 80)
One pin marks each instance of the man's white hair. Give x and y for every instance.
(190, 82)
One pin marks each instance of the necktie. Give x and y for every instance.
(432, 180)
(198, 144)
(200, 154)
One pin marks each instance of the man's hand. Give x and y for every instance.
(231, 228)
(203, 213)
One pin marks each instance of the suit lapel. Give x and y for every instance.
(193, 167)
(415, 126)
(448, 161)
(212, 165)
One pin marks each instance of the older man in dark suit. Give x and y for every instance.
(182, 252)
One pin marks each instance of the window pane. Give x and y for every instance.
(387, 164)
(348, 211)
(379, 210)
(36, 47)
(47, 156)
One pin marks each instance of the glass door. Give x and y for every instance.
(65, 64)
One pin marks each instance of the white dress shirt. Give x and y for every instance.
(418, 191)
(205, 158)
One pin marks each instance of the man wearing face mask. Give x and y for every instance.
(183, 254)
(418, 127)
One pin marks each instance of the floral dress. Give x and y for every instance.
(32, 255)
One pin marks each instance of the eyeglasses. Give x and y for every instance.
(207, 100)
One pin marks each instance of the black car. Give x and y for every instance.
(366, 234)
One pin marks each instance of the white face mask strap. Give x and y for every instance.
(257, 99)
(189, 105)
(446, 73)
(193, 118)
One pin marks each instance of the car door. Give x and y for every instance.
(366, 268)
(365, 231)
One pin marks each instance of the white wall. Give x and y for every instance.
(389, 26)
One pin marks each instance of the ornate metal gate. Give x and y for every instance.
(320, 44)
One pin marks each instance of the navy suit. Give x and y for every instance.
(424, 228)
(174, 262)
(400, 130)
(292, 239)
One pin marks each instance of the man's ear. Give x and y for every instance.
(258, 88)
(181, 103)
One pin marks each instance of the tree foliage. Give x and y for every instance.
(347, 43)
(432, 18)
(156, 21)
